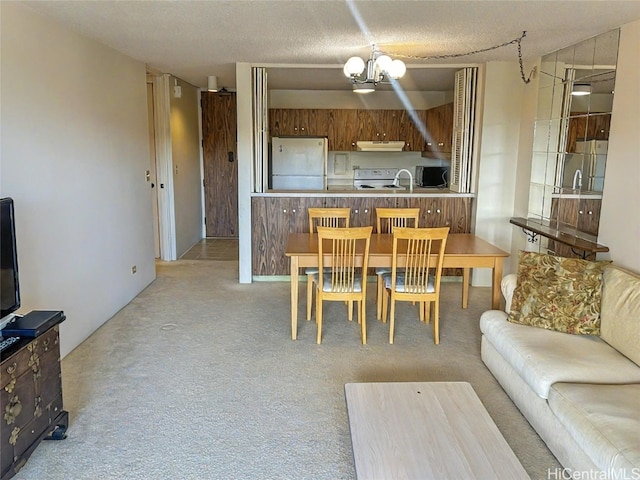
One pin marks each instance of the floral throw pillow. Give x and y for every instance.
(558, 293)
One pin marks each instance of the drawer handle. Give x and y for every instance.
(366, 210)
(284, 211)
(293, 211)
(428, 211)
(438, 211)
(357, 211)
(13, 409)
(590, 212)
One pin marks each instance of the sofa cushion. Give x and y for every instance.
(558, 293)
(620, 315)
(543, 357)
(604, 420)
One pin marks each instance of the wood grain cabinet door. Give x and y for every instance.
(343, 130)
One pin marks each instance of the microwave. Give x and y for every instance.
(432, 177)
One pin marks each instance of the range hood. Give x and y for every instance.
(381, 146)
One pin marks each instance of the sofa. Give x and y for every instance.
(580, 392)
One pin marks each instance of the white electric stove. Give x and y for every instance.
(374, 178)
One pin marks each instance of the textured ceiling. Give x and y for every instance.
(193, 39)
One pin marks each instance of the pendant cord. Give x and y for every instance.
(517, 41)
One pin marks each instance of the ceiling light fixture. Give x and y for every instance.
(580, 89)
(212, 83)
(377, 69)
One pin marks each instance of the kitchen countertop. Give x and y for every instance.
(570, 193)
(352, 192)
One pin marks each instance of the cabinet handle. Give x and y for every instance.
(284, 210)
(428, 211)
(438, 211)
(357, 211)
(293, 211)
(590, 212)
(441, 144)
(580, 212)
(302, 129)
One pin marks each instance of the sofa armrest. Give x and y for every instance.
(508, 285)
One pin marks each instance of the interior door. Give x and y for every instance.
(220, 164)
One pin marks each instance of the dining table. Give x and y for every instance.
(463, 250)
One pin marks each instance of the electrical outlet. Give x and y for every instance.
(134, 269)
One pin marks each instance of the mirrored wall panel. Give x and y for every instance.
(575, 98)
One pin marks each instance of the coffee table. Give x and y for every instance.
(426, 430)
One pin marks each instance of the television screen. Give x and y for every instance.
(9, 287)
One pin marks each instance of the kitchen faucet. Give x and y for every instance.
(577, 179)
(396, 180)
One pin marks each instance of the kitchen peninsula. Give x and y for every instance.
(276, 214)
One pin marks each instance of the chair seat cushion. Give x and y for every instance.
(326, 282)
(431, 284)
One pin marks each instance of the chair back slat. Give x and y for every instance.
(387, 219)
(328, 217)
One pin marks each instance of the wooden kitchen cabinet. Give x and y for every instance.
(587, 127)
(273, 218)
(381, 124)
(581, 214)
(439, 124)
(363, 209)
(343, 129)
(298, 122)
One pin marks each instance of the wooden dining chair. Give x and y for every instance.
(386, 220)
(416, 270)
(323, 217)
(345, 276)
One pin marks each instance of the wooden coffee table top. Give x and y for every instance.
(431, 430)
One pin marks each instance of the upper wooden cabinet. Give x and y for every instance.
(380, 124)
(344, 127)
(439, 123)
(587, 127)
(299, 121)
(343, 130)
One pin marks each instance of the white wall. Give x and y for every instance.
(497, 169)
(620, 214)
(384, 100)
(74, 155)
(185, 155)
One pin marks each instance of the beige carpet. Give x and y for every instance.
(198, 378)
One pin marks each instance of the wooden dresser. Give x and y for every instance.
(31, 399)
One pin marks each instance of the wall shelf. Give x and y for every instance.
(533, 227)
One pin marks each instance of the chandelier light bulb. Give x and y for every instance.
(353, 67)
(383, 62)
(397, 69)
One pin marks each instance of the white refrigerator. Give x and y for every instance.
(298, 163)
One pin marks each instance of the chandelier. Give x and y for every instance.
(379, 68)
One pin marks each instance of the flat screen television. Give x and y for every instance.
(9, 285)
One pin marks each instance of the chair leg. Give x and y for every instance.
(436, 326)
(379, 293)
(385, 304)
(427, 312)
(363, 323)
(392, 318)
(421, 310)
(319, 317)
(310, 286)
(350, 310)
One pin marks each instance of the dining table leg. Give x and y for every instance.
(294, 297)
(495, 284)
(465, 287)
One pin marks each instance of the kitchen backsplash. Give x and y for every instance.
(340, 165)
